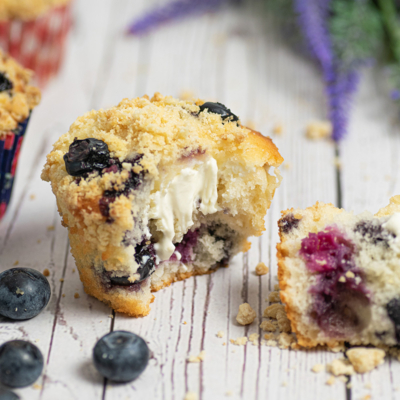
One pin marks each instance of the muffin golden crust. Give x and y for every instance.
(27, 9)
(17, 97)
(339, 275)
(178, 185)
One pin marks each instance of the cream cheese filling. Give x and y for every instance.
(191, 188)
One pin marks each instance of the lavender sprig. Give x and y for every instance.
(174, 10)
(313, 16)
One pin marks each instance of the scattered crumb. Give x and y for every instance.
(285, 340)
(341, 366)
(246, 314)
(318, 130)
(350, 274)
(283, 321)
(337, 163)
(365, 359)
(184, 323)
(220, 334)
(37, 386)
(73, 270)
(254, 338)
(272, 310)
(63, 295)
(269, 326)
(61, 279)
(46, 272)
(224, 344)
(110, 316)
(32, 197)
(197, 359)
(229, 393)
(76, 295)
(317, 368)
(330, 381)
(241, 341)
(19, 291)
(349, 385)
(269, 336)
(271, 343)
(261, 269)
(274, 297)
(342, 378)
(366, 397)
(191, 396)
(16, 262)
(51, 228)
(276, 287)
(287, 165)
(277, 129)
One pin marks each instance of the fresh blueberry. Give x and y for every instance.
(218, 108)
(393, 310)
(24, 293)
(121, 356)
(5, 83)
(6, 394)
(144, 256)
(21, 363)
(287, 223)
(86, 155)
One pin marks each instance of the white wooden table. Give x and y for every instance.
(234, 56)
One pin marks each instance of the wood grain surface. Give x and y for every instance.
(239, 57)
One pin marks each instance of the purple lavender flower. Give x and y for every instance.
(174, 10)
(313, 16)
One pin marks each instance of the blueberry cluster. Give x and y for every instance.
(340, 302)
(393, 310)
(373, 232)
(218, 108)
(287, 223)
(145, 258)
(5, 83)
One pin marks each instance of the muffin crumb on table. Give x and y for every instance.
(261, 269)
(246, 314)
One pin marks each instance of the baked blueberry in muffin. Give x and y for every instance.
(154, 191)
(339, 275)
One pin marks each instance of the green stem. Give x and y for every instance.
(392, 27)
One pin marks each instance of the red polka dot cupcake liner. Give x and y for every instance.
(10, 146)
(38, 44)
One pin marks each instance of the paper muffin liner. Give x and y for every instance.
(10, 146)
(38, 44)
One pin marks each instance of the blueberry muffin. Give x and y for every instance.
(34, 33)
(339, 275)
(154, 191)
(17, 100)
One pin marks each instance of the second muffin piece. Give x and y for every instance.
(153, 191)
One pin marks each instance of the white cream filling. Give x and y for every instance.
(192, 188)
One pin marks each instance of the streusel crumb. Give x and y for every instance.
(340, 366)
(272, 310)
(331, 380)
(319, 130)
(191, 396)
(220, 334)
(365, 359)
(285, 340)
(197, 359)
(283, 321)
(239, 341)
(246, 314)
(274, 297)
(317, 368)
(269, 326)
(254, 338)
(261, 269)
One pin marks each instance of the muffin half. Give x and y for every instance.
(154, 191)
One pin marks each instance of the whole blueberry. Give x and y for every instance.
(121, 356)
(218, 108)
(24, 293)
(21, 363)
(5, 83)
(86, 155)
(6, 394)
(393, 310)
